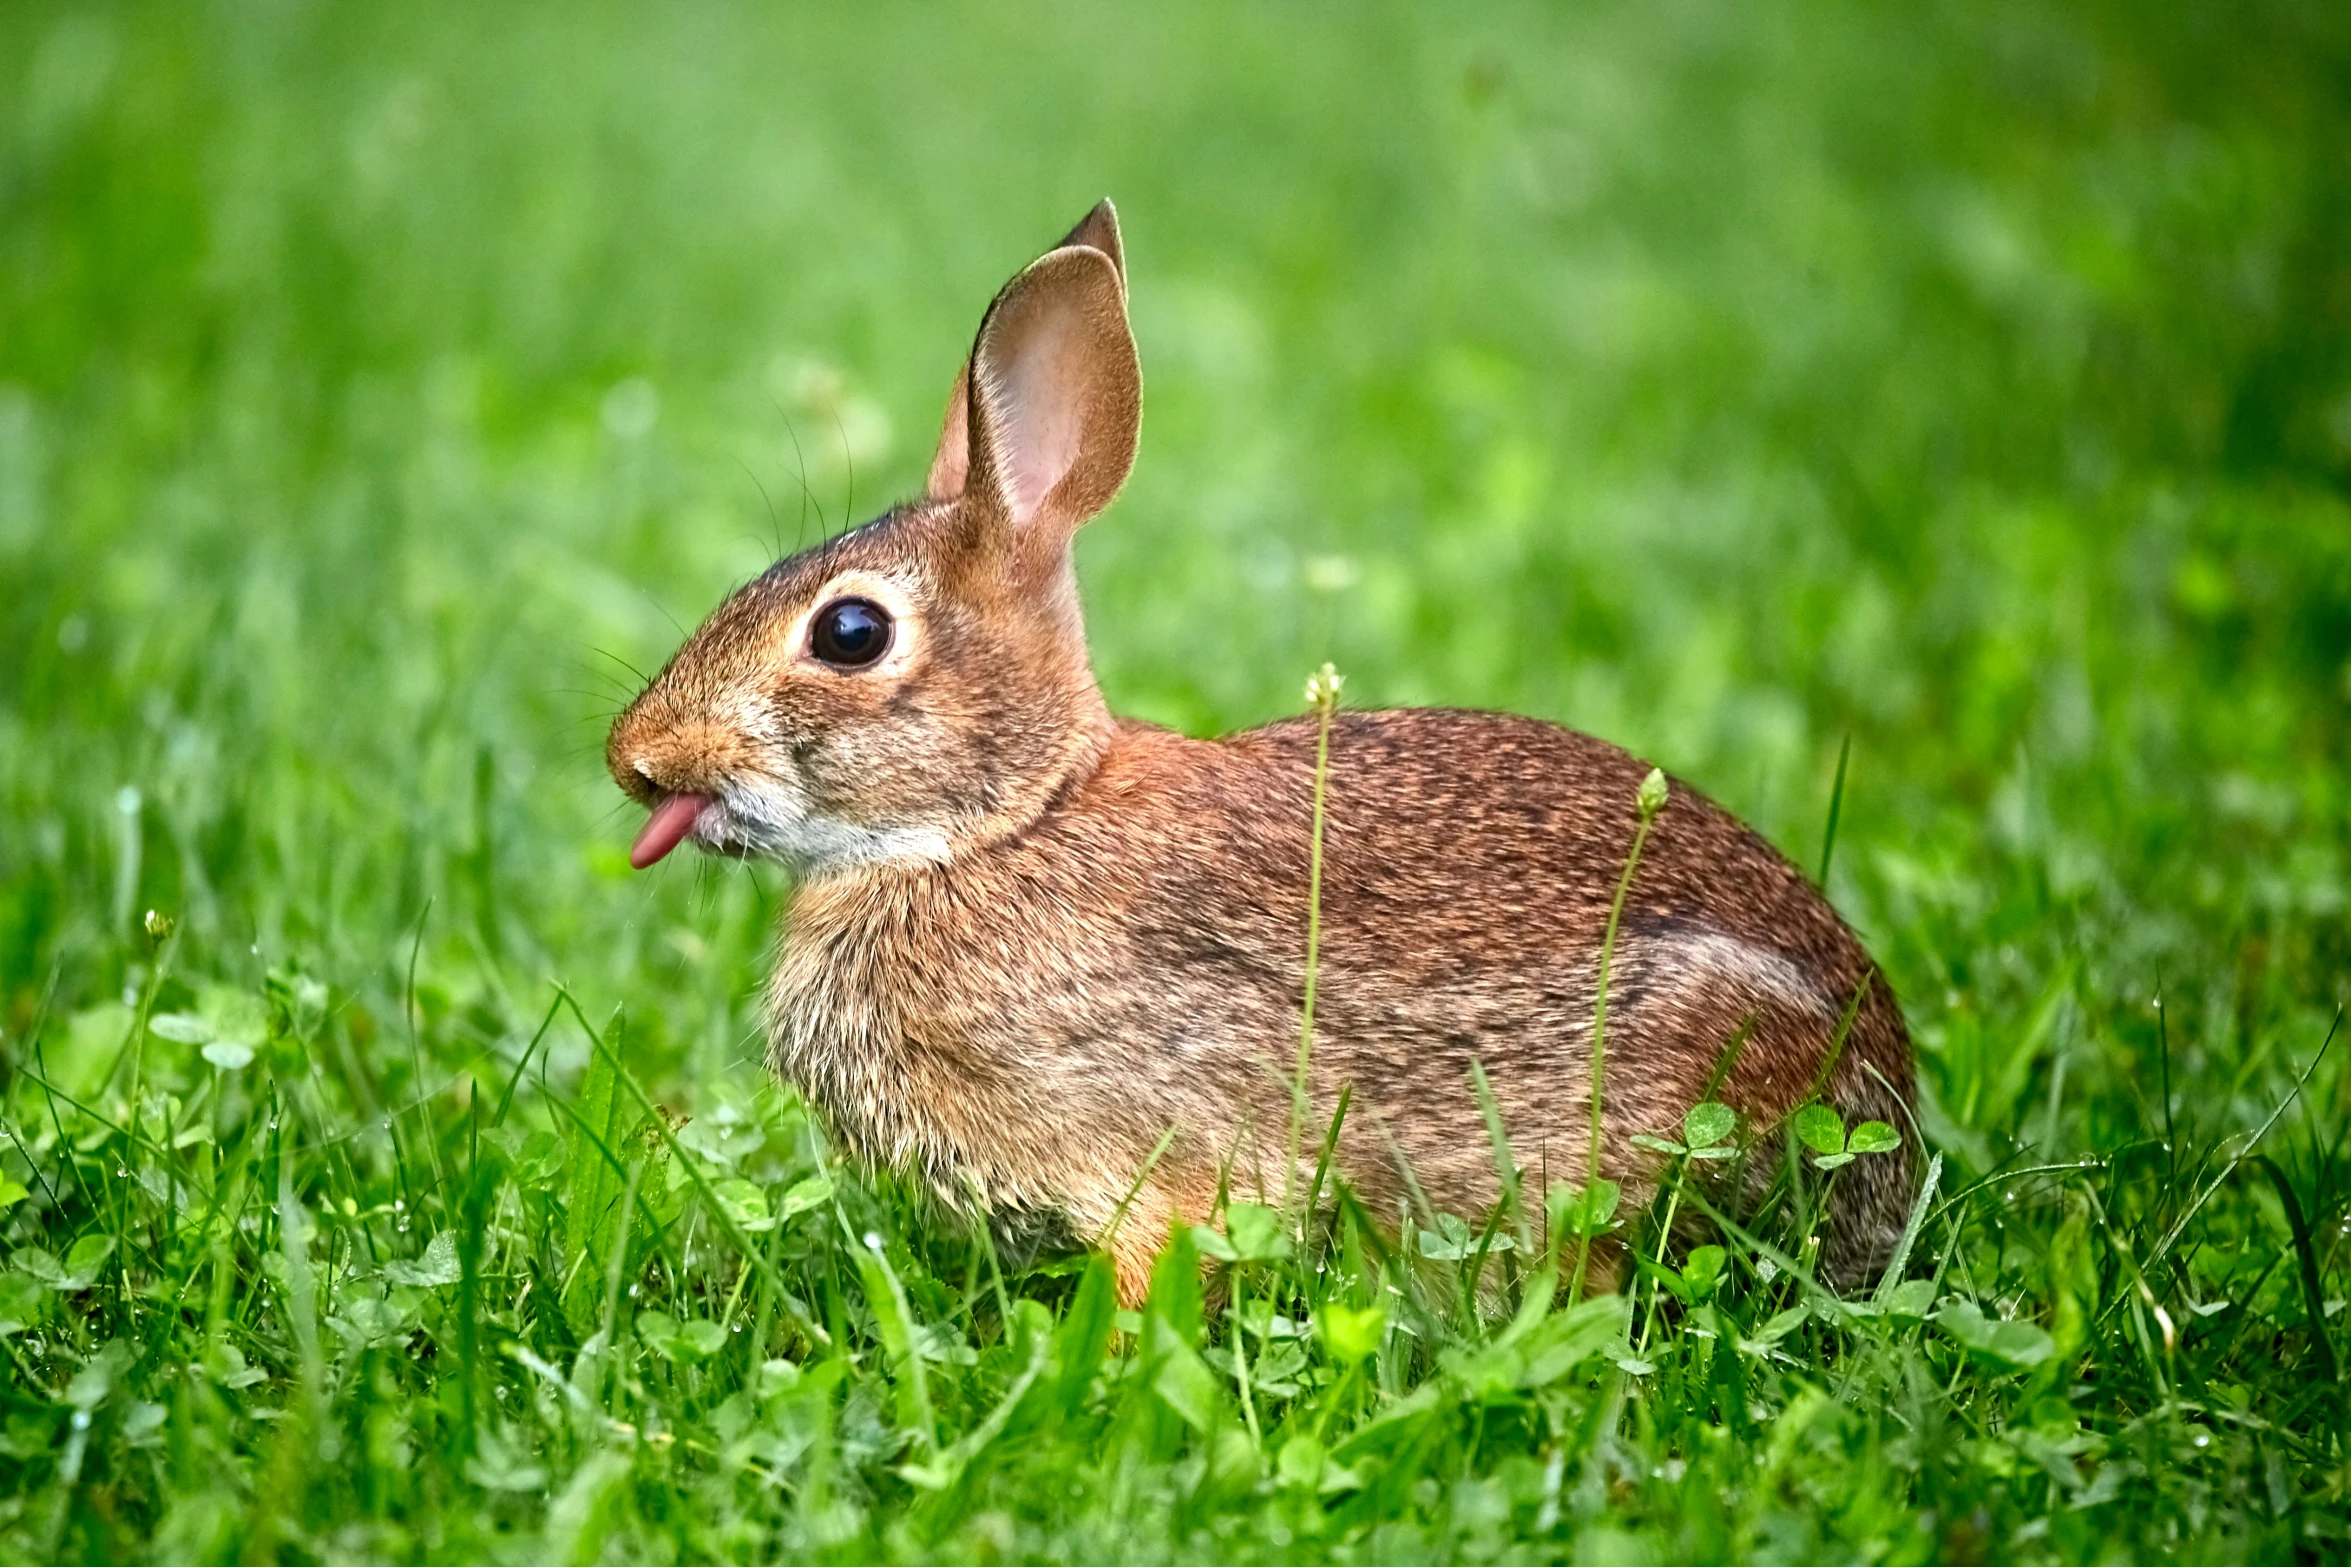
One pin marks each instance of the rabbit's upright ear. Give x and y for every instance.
(1049, 407)
(1098, 230)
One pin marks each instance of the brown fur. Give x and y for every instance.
(1031, 939)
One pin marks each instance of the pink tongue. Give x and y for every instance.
(672, 819)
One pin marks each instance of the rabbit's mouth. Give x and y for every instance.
(745, 821)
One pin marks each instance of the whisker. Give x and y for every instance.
(642, 677)
(774, 521)
(807, 496)
(849, 462)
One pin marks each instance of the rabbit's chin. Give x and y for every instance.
(771, 824)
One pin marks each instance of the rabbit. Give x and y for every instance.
(1030, 941)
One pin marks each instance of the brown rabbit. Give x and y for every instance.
(1030, 938)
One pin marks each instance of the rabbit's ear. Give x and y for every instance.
(1098, 230)
(1053, 395)
(951, 465)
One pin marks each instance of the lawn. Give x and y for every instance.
(1926, 429)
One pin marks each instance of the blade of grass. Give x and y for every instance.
(1647, 803)
(1828, 837)
(1322, 694)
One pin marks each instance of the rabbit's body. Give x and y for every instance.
(1024, 1022)
(1032, 941)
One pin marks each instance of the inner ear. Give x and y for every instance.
(1055, 394)
(951, 463)
(1036, 396)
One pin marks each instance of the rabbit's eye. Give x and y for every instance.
(850, 633)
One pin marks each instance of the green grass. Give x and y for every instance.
(1971, 384)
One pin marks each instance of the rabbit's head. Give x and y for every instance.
(923, 680)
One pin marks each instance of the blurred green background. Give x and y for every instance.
(1972, 381)
(381, 386)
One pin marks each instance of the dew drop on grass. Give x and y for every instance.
(873, 1241)
(81, 1420)
(632, 1292)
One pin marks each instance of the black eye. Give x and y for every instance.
(850, 633)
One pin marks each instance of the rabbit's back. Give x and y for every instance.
(1025, 1021)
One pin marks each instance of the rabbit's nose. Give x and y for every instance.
(651, 773)
(667, 775)
(653, 753)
